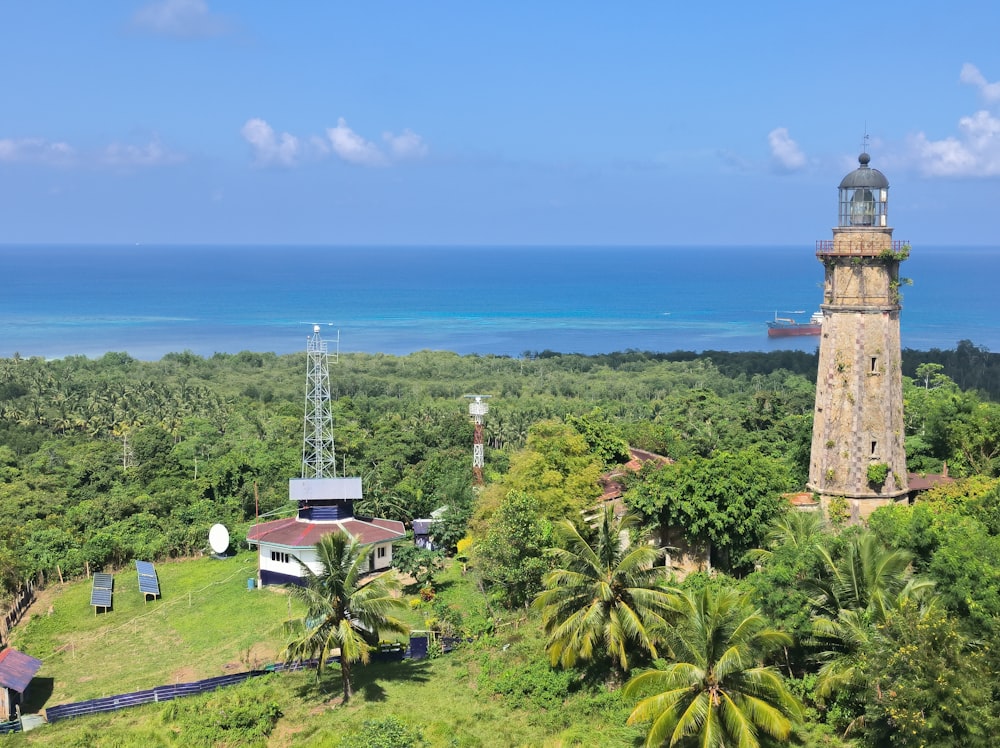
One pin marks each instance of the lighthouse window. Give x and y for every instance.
(874, 364)
(874, 447)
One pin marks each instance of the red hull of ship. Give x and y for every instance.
(792, 330)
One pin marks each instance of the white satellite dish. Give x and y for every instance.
(218, 538)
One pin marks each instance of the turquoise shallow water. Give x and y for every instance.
(149, 301)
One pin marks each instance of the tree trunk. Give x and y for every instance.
(345, 675)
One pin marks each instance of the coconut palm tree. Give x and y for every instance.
(794, 529)
(866, 576)
(858, 591)
(343, 612)
(716, 692)
(605, 598)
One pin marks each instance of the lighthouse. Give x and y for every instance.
(858, 461)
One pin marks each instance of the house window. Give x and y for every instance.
(380, 552)
(281, 558)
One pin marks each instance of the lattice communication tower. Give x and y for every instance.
(319, 457)
(478, 410)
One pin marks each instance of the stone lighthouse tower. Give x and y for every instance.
(857, 461)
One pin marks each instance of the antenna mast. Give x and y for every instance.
(319, 458)
(478, 410)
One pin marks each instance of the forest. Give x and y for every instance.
(804, 630)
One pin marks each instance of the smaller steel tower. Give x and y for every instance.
(319, 457)
(478, 410)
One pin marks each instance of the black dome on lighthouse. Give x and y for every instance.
(864, 177)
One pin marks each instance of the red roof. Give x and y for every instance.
(613, 484)
(924, 481)
(17, 669)
(295, 533)
(805, 499)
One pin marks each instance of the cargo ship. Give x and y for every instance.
(783, 327)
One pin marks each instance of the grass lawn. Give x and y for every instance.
(498, 691)
(206, 623)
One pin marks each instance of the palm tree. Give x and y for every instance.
(342, 611)
(605, 598)
(868, 576)
(794, 529)
(716, 693)
(857, 592)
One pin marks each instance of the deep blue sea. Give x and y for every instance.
(149, 301)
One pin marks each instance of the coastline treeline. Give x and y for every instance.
(109, 459)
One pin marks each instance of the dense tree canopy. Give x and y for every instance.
(110, 459)
(728, 500)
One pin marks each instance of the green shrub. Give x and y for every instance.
(387, 732)
(877, 473)
(530, 684)
(237, 715)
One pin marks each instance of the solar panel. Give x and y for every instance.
(103, 581)
(100, 594)
(149, 584)
(145, 569)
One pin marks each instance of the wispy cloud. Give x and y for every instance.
(36, 150)
(405, 145)
(151, 154)
(341, 141)
(785, 152)
(268, 148)
(975, 150)
(970, 74)
(180, 18)
(62, 154)
(732, 159)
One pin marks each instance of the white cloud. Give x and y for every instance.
(152, 154)
(268, 149)
(182, 18)
(352, 148)
(407, 145)
(974, 153)
(36, 150)
(785, 152)
(340, 141)
(970, 74)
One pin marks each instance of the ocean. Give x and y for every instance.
(148, 301)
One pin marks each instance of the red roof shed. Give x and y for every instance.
(16, 671)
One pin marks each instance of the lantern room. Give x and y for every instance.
(864, 195)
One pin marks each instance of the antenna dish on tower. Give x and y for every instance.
(218, 539)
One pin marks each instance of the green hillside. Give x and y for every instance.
(494, 692)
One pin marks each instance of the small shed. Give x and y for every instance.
(422, 528)
(16, 671)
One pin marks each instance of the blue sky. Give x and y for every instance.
(458, 123)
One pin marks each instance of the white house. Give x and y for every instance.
(325, 505)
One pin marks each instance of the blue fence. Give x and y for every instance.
(160, 693)
(169, 693)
